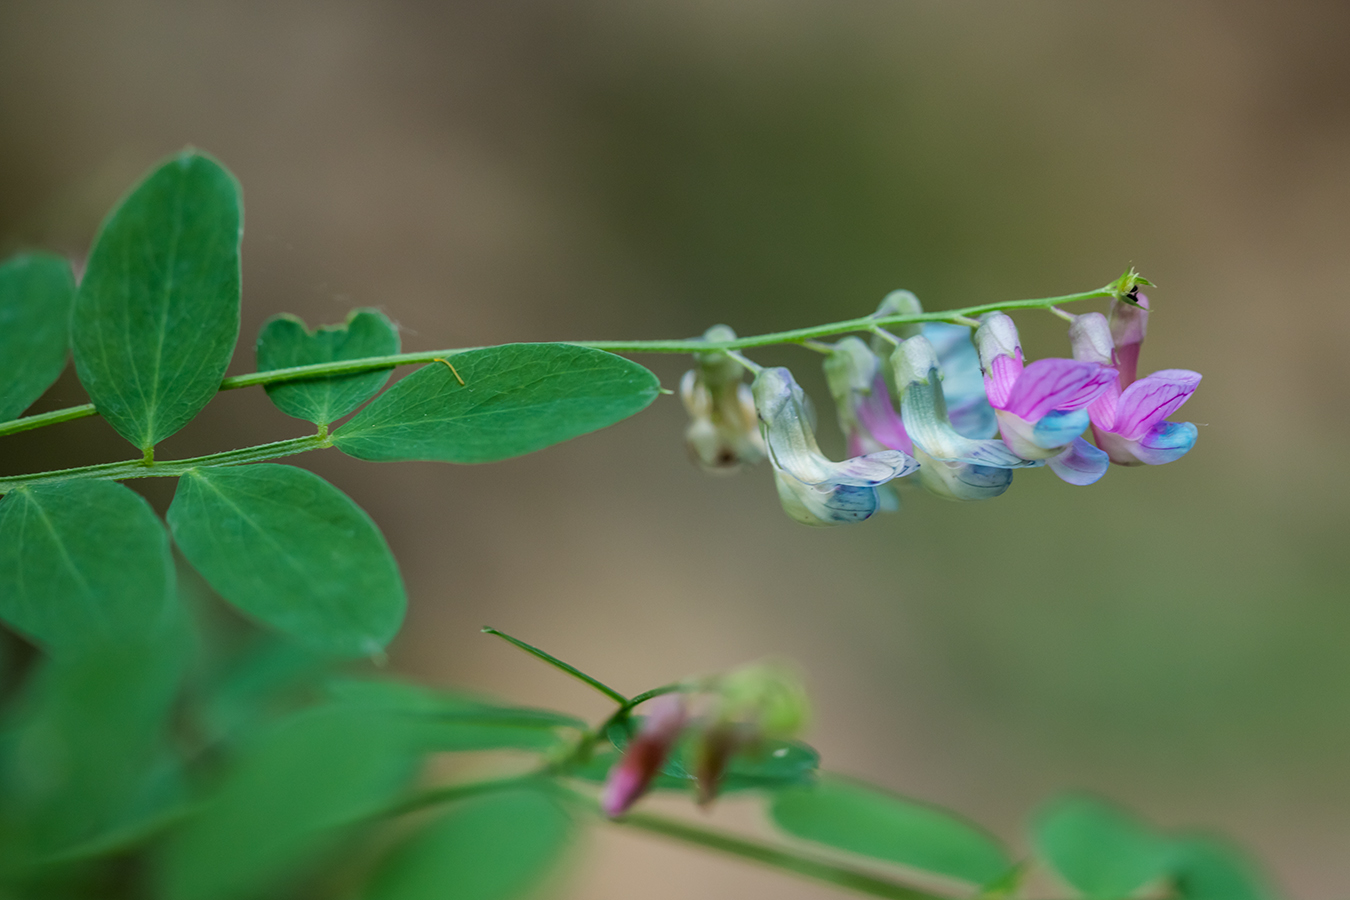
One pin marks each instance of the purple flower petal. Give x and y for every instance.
(1000, 356)
(1049, 384)
(1080, 463)
(1000, 377)
(878, 415)
(1151, 399)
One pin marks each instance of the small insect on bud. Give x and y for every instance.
(645, 755)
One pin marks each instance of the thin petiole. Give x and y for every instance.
(565, 667)
(750, 365)
(965, 316)
(1066, 316)
(885, 335)
(170, 468)
(818, 346)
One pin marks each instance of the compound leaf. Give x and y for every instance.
(290, 549)
(859, 818)
(157, 312)
(82, 563)
(36, 293)
(286, 342)
(515, 399)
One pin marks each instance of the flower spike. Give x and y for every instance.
(723, 434)
(815, 490)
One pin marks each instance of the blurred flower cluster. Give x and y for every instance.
(958, 410)
(720, 717)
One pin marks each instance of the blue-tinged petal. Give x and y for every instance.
(1080, 463)
(962, 380)
(924, 412)
(792, 446)
(825, 505)
(961, 481)
(1165, 443)
(1059, 428)
(1028, 439)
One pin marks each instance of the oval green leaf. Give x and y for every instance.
(36, 293)
(493, 847)
(157, 312)
(862, 819)
(287, 797)
(82, 563)
(515, 399)
(1097, 847)
(288, 548)
(1207, 869)
(286, 342)
(439, 721)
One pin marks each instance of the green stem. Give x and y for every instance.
(559, 664)
(795, 336)
(767, 854)
(170, 468)
(775, 857)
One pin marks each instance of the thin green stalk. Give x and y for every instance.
(170, 468)
(559, 664)
(756, 851)
(965, 315)
(775, 857)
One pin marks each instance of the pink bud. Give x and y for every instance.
(644, 756)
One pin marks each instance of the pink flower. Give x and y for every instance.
(1042, 407)
(1129, 418)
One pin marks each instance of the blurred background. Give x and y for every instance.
(1175, 638)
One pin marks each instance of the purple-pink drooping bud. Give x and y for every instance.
(645, 755)
(1128, 326)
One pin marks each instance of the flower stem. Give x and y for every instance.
(796, 336)
(559, 664)
(774, 857)
(169, 468)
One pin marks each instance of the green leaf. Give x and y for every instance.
(157, 312)
(291, 794)
(492, 847)
(436, 721)
(36, 293)
(82, 563)
(1208, 869)
(859, 818)
(1097, 847)
(269, 677)
(85, 762)
(290, 549)
(515, 399)
(286, 342)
